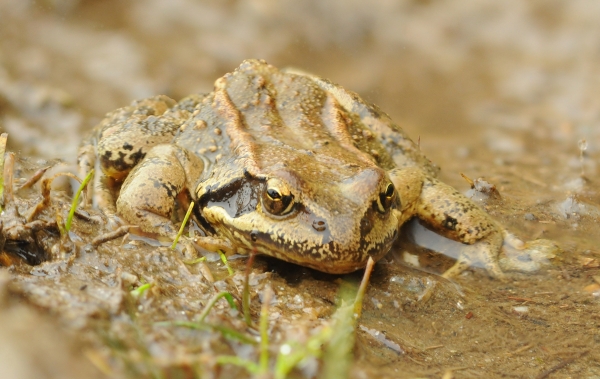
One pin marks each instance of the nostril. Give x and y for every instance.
(319, 225)
(254, 235)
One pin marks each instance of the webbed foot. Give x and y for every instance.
(527, 257)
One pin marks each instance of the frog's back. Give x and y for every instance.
(272, 119)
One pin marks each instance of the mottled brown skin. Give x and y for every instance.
(282, 163)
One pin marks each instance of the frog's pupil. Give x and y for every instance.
(273, 194)
(389, 191)
(383, 203)
(286, 200)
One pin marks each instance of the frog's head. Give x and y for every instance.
(325, 217)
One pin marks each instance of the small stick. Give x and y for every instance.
(86, 216)
(120, 232)
(363, 288)
(562, 364)
(433, 347)
(9, 166)
(34, 178)
(520, 298)
(46, 188)
(471, 182)
(520, 350)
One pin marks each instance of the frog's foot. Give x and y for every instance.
(527, 257)
(483, 253)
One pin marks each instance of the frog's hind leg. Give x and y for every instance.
(454, 216)
(148, 195)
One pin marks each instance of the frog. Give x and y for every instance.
(282, 163)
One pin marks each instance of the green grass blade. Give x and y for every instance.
(237, 361)
(139, 292)
(264, 331)
(185, 220)
(225, 262)
(246, 291)
(76, 200)
(213, 301)
(225, 331)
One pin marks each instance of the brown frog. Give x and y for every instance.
(285, 164)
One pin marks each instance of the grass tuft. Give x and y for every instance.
(337, 356)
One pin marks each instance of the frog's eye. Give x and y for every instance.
(277, 199)
(386, 198)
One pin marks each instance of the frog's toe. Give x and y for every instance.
(512, 241)
(483, 253)
(491, 266)
(114, 222)
(188, 249)
(530, 257)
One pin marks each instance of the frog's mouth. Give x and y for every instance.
(330, 258)
(310, 243)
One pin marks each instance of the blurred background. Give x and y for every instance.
(474, 74)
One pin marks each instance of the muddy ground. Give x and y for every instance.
(501, 90)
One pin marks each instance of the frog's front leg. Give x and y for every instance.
(148, 195)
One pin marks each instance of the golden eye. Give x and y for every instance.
(386, 198)
(277, 198)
